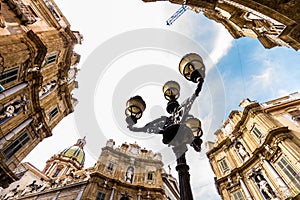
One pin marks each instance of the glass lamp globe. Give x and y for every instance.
(171, 90)
(192, 67)
(135, 107)
(195, 125)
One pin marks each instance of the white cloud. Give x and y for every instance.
(222, 43)
(264, 79)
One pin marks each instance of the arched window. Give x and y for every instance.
(56, 172)
(110, 165)
(150, 175)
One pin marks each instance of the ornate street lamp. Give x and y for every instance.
(180, 128)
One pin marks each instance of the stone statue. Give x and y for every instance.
(242, 151)
(129, 175)
(265, 188)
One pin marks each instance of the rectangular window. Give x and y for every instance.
(110, 166)
(9, 76)
(32, 11)
(150, 175)
(238, 195)
(100, 196)
(53, 113)
(16, 145)
(50, 59)
(295, 114)
(289, 171)
(224, 165)
(257, 132)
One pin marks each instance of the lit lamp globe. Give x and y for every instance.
(195, 125)
(171, 90)
(191, 67)
(135, 107)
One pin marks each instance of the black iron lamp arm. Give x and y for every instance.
(187, 104)
(152, 127)
(177, 117)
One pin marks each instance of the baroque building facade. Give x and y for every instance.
(129, 172)
(121, 173)
(257, 152)
(37, 76)
(273, 23)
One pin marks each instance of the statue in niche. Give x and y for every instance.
(242, 151)
(129, 175)
(264, 187)
(48, 88)
(12, 110)
(125, 195)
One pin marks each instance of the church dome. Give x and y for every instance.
(76, 151)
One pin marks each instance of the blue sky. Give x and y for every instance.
(243, 67)
(251, 71)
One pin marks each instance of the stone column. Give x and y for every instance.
(50, 169)
(112, 193)
(245, 189)
(282, 186)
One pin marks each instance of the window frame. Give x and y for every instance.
(10, 150)
(295, 115)
(150, 176)
(224, 160)
(110, 165)
(51, 115)
(257, 132)
(50, 59)
(100, 196)
(56, 172)
(291, 176)
(240, 192)
(14, 76)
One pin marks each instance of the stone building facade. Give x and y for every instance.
(130, 172)
(37, 76)
(125, 172)
(257, 152)
(273, 23)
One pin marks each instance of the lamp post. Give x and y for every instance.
(180, 128)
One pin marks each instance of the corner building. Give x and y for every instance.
(127, 172)
(37, 76)
(273, 23)
(130, 172)
(256, 155)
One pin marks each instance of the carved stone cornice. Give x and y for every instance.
(123, 155)
(279, 133)
(95, 176)
(38, 111)
(41, 48)
(47, 13)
